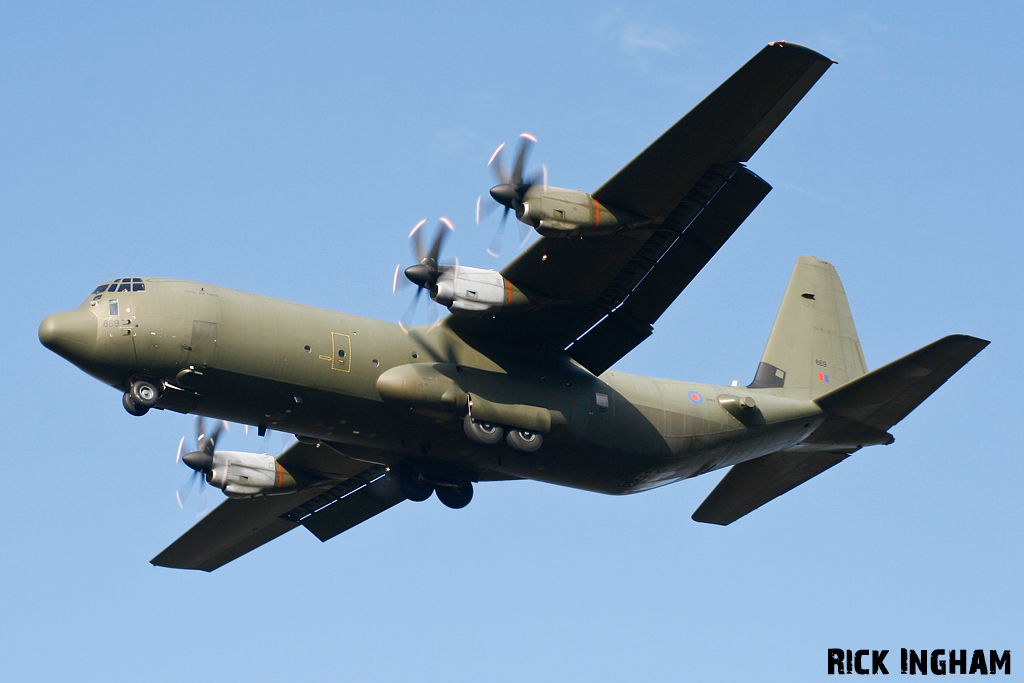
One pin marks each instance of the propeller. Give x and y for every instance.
(511, 190)
(427, 269)
(200, 460)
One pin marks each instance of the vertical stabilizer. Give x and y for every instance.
(813, 347)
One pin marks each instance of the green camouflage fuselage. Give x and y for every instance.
(377, 393)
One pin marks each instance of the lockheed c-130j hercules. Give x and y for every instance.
(515, 383)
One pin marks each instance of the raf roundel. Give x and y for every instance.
(695, 397)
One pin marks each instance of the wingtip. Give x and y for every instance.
(970, 340)
(796, 47)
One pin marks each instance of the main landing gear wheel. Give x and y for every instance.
(144, 394)
(132, 407)
(455, 496)
(412, 486)
(523, 440)
(482, 432)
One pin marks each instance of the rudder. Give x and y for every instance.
(813, 347)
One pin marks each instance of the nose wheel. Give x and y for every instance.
(131, 406)
(140, 397)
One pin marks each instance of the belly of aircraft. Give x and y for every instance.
(368, 430)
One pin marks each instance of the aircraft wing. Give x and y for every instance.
(351, 493)
(605, 292)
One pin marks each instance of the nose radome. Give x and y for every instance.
(71, 334)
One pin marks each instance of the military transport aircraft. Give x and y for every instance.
(515, 383)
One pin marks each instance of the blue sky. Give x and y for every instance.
(288, 148)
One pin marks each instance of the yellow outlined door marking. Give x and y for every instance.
(341, 356)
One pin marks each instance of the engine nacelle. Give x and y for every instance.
(241, 475)
(475, 290)
(557, 212)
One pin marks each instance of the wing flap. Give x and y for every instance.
(357, 507)
(698, 241)
(729, 125)
(749, 485)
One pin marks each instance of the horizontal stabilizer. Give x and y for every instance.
(863, 410)
(751, 484)
(859, 414)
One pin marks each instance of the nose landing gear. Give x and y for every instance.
(131, 406)
(140, 397)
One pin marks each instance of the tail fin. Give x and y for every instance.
(813, 347)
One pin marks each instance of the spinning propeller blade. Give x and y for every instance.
(200, 460)
(510, 192)
(425, 273)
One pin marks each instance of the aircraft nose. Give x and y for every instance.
(71, 334)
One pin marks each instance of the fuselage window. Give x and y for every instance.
(113, 306)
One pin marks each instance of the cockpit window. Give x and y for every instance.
(113, 306)
(122, 284)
